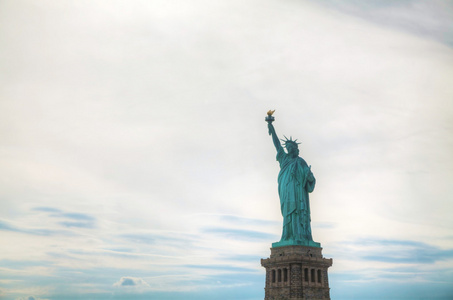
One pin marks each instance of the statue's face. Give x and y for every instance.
(292, 149)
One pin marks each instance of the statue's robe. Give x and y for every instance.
(293, 189)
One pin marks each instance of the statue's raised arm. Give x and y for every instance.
(269, 119)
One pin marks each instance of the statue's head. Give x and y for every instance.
(291, 146)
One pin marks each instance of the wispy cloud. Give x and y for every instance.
(324, 225)
(402, 251)
(33, 231)
(79, 220)
(432, 19)
(240, 234)
(240, 220)
(77, 224)
(222, 268)
(47, 209)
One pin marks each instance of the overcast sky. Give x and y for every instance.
(136, 164)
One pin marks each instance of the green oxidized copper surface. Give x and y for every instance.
(295, 181)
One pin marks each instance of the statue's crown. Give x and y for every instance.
(290, 141)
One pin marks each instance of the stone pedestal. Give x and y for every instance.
(296, 273)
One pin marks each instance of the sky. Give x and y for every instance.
(136, 163)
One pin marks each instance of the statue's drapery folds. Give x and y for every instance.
(295, 181)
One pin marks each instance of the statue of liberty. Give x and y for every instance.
(295, 181)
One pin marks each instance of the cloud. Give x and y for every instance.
(78, 224)
(403, 251)
(240, 234)
(390, 289)
(239, 220)
(223, 268)
(77, 216)
(129, 282)
(415, 16)
(33, 231)
(381, 252)
(160, 238)
(389, 260)
(324, 225)
(141, 238)
(7, 227)
(47, 209)
(79, 220)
